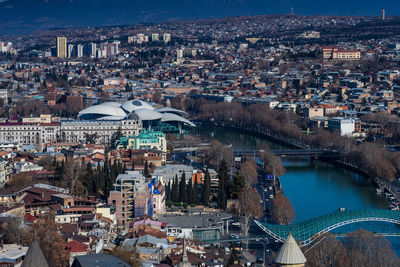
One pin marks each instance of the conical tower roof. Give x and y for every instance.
(290, 253)
(34, 256)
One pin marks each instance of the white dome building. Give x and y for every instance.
(133, 105)
(102, 110)
(165, 119)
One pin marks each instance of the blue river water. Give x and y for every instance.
(315, 187)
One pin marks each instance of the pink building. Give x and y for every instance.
(159, 198)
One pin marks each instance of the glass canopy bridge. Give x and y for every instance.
(306, 232)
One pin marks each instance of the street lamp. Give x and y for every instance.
(264, 241)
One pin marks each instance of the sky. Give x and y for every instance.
(25, 16)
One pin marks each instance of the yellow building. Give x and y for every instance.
(44, 118)
(331, 52)
(62, 47)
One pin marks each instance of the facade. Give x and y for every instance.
(330, 52)
(40, 130)
(26, 166)
(341, 126)
(162, 119)
(145, 140)
(62, 47)
(3, 171)
(159, 197)
(75, 131)
(313, 112)
(136, 158)
(28, 133)
(155, 37)
(167, 37)
(126, 188)
(43, 118)
(196, 224)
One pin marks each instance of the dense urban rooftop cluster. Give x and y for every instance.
(89, 119)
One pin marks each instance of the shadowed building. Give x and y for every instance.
(34, 257)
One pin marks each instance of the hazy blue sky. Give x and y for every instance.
(28, 15)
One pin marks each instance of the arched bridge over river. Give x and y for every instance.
(306, 232)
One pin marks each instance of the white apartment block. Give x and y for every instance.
(342, 126)
(27, 133)
(74, 131)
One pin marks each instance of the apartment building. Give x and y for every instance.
(41, 130)
(331, 52)
(129, 196)
(341, 125)
(75, 131)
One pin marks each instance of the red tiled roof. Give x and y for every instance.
(76, 246)
(30, 218)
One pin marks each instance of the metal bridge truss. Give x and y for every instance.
(306, 232)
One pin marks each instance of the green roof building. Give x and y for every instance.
(146, 140)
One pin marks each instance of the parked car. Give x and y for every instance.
(233, 236)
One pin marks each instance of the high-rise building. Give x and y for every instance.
(61, 47)
(70, 50)
(155, 37)
(179, 53)
(130, 197)
(167, 37)
(89, 50)
(79, 50)
(383, 14)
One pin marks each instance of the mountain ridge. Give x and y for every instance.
(26, 16)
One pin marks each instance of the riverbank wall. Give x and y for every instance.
(296, 144)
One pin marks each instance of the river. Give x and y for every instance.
(314, 187)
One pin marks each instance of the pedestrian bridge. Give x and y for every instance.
(306, 232)
(293, 152)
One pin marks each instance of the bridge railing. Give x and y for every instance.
(306, 232)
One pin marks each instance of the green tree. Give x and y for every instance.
(182, 188)
(175, 190)
(146, 168)
(168, 191)
(195, 198)
(89, 180)
(189, 193)
(221, 197)
(115, 138)
(223, 180)
(236, 186)
(206, 188)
